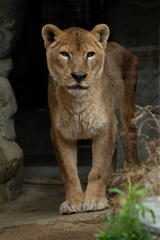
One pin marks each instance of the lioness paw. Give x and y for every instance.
(71, 206)
(95, 204)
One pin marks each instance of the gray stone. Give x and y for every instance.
(6, 37)
(10, 159)
(8, 105)
(8, 108)
(5, 67)
(152, 182)
(7, 129)
(10, 153)
(3, 193)
(152, 203)
(14, 186)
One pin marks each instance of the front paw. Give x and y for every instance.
(71, 206)
(95, 204)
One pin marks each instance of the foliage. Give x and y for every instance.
(126, 224)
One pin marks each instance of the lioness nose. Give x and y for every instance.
(78, 76)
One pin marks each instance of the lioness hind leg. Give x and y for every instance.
(129, 142)
(66, 153)
(129, 131)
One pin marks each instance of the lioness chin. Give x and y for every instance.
(90, 95)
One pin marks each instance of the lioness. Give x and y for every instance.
(91, 90)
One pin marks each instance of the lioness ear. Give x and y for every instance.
(49, 34)
(102, 32)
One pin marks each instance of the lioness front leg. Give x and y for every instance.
(66, 152)
(102, 149)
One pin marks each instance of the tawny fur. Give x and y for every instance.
(100, 110)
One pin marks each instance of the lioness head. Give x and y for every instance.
(75, 56)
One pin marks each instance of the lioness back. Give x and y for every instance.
(121, 66)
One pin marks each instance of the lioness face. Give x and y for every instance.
(75, 57)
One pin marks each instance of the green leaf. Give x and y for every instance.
(116, 190)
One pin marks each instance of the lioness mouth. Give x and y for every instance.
(77, 86)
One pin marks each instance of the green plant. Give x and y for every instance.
(126, 224)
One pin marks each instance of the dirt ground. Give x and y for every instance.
(35, 216)
(37, 232)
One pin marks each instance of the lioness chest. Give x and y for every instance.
(82, 119)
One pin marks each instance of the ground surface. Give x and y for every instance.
(36, 232)
(34, 216)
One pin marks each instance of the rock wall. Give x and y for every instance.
(11, 155)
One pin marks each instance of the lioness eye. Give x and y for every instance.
(90, 54)
(65, 54)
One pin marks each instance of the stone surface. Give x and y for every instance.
(8, 108)
(11, 157)
(5, 67)
(14, 186)
(152, 181)
(11, 174)
(154, 204)
(3, 193)
(11, 154)
(7, 100)
(6, 37)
